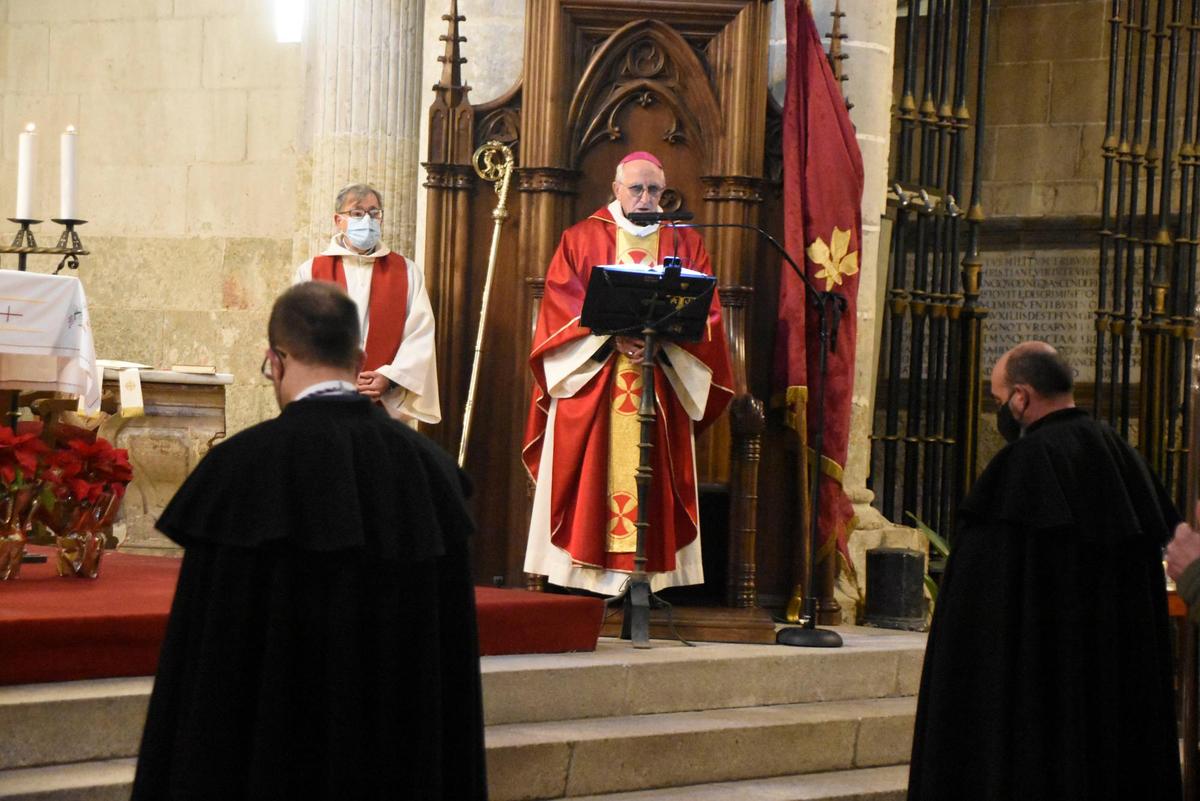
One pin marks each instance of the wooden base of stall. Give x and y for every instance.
(703, 624)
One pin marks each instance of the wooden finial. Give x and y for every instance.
(452, 60)
(835, 55)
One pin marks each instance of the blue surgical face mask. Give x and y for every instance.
(362, 233)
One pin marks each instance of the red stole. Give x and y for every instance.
(580, 514)
(387, 310)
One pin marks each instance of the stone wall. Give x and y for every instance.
(188, 116)
(1047, 77)
(1046, 103)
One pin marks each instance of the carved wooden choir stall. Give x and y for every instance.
(689, 83)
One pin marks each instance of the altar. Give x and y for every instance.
(47, 355)
(46, 337)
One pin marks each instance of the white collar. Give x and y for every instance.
(624, 224)
(338, 248)
(326, 388)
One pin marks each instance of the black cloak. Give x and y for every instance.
(1048, 671)
(322, 641)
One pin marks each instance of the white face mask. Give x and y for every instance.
(362, 233)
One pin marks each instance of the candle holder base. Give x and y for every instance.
(24, 237)
(69, 244)
(69, 239)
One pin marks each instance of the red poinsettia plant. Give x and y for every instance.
(83, 471)
(23, 469)
(85, 479)
(90, 471)
(23, 457)
(69, 481)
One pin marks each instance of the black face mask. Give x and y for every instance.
(1006, 424)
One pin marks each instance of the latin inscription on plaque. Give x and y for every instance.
(1049, 295)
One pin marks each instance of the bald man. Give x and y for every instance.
(1048, 671)
(581, 439)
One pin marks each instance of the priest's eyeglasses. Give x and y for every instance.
(637, 190)
(267, 369)
(358, 214)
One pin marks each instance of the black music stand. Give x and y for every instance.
(653, 302)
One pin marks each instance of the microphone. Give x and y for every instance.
(652, 217)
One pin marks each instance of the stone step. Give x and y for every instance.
(111, 780)
(74, 721)
(670, 677)
(548, 760)
(866, 784)
(40, 724)
(528, 761)
(104, 780)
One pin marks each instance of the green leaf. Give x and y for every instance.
(935, 539)
(932, 586)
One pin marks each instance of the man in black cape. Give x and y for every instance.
(1048, 669)
(322, 640)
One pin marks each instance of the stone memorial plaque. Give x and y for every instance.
(1049, 295)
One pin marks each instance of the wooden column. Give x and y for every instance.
(747, 421)
(450, 180)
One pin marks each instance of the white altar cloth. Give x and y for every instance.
(46, 337)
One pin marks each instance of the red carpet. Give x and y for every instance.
(522, 622)
(57, 629)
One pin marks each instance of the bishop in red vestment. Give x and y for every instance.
(581, 440)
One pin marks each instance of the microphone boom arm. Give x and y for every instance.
(819, 296)
(830, 306)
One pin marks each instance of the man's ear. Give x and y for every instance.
(1026, 394)
(361, 361)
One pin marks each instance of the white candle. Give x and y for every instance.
(26, 166)
(67, 177)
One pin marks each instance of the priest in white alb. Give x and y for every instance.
(395, 316)
(581, 439)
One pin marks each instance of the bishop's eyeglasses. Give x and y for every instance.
(637, 190)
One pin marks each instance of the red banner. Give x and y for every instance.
(822, 202)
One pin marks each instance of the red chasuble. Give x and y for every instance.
(388, 308)
(586, 520)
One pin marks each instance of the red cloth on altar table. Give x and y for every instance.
(387, 309)
(579, 510)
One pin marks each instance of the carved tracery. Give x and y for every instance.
(644, 63)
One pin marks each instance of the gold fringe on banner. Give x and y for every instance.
(828, 550)
(794, 403)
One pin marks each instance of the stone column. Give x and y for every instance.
(870, 28)
(362, 114)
